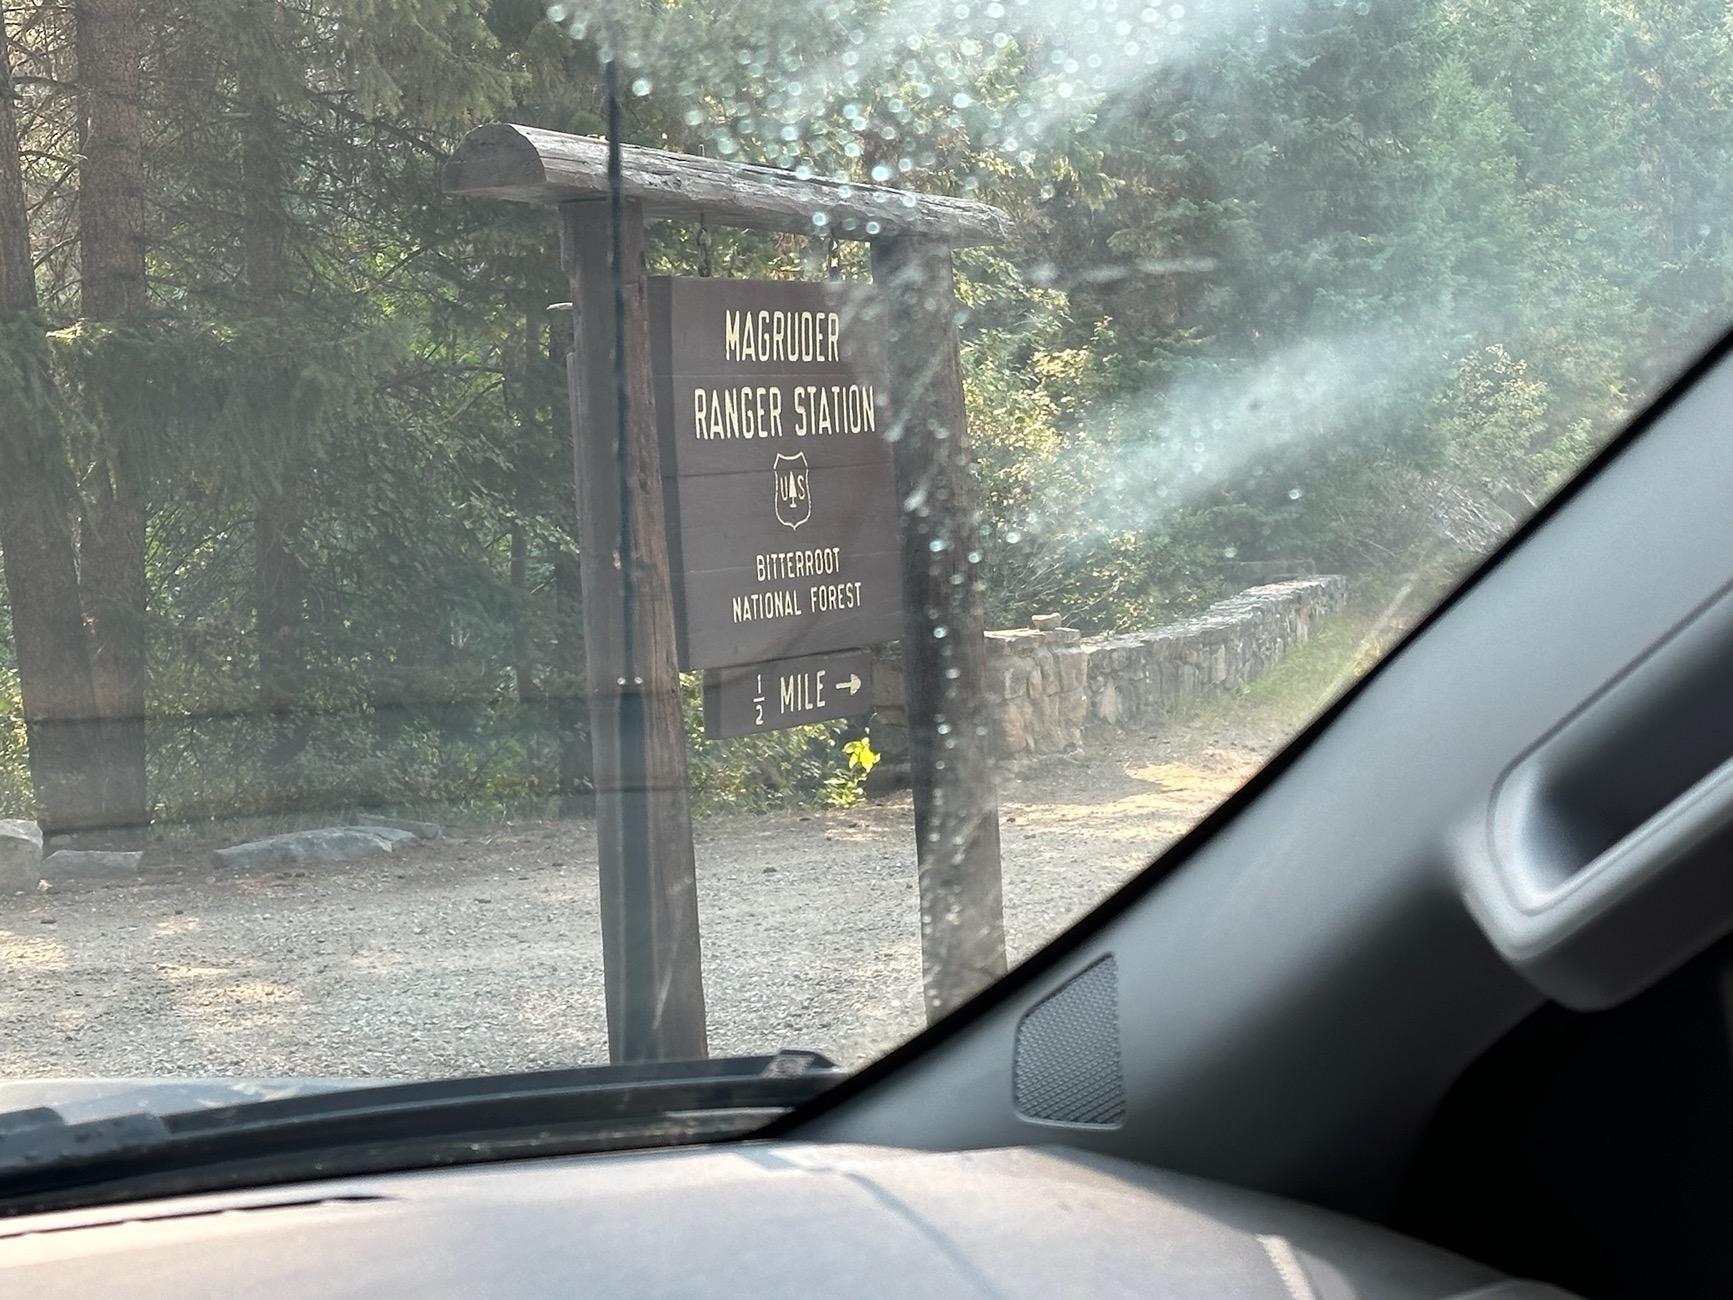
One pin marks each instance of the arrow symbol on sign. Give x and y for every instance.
(852, 685)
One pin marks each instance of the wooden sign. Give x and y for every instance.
(640, 451)
(787, 693)
(773, 407)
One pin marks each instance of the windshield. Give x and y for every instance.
(539, 535)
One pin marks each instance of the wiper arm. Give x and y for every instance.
(47, 1162)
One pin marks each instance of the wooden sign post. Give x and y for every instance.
(643, 818)
(644, 830)
(944, 643)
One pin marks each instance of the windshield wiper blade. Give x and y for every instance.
(41, 1136)
(398, 1125)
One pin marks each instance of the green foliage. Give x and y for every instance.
(862, 756)
(33, 416)
(846, 788)
(16, 796)
(796, 766)
(1491, 416)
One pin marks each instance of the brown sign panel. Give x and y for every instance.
(773, 406)
(787, 693)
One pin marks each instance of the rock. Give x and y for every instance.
(20, 851)
(1014, 641)
(1044, 681)
(333, 844)
(1013, 729)
(69, 866)
(420, 830)
(1073, 713)
(396, 836)
(1107, 704)
(1072, 669)
(887, 679)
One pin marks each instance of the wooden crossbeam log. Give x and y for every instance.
(525, 164)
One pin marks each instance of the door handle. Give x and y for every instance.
(1609, 858)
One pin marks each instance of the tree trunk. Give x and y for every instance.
(521, 387)
(112, 286)
(17, 277)
(111, 170)
(41, 571)
(280, 604)
(111, 573)
(53, 657)
(279, 571)
(522, 669)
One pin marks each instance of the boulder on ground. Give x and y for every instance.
(20, 851)
(332, 844)
(396, 836)
(420, 830)
(71, 865)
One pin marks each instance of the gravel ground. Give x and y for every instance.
(482, 952)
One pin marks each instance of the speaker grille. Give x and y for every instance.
(1067, 1062)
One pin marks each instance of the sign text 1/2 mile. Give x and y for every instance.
(787, 693)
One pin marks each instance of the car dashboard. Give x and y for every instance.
(752, 1218)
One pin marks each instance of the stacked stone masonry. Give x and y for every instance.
(1047, 684)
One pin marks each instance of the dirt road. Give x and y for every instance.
(481, 951)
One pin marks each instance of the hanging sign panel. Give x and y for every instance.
(787, 693)
(772, 402)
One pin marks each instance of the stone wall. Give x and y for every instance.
(1047, 683)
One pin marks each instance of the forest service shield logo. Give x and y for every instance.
(793, 500)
